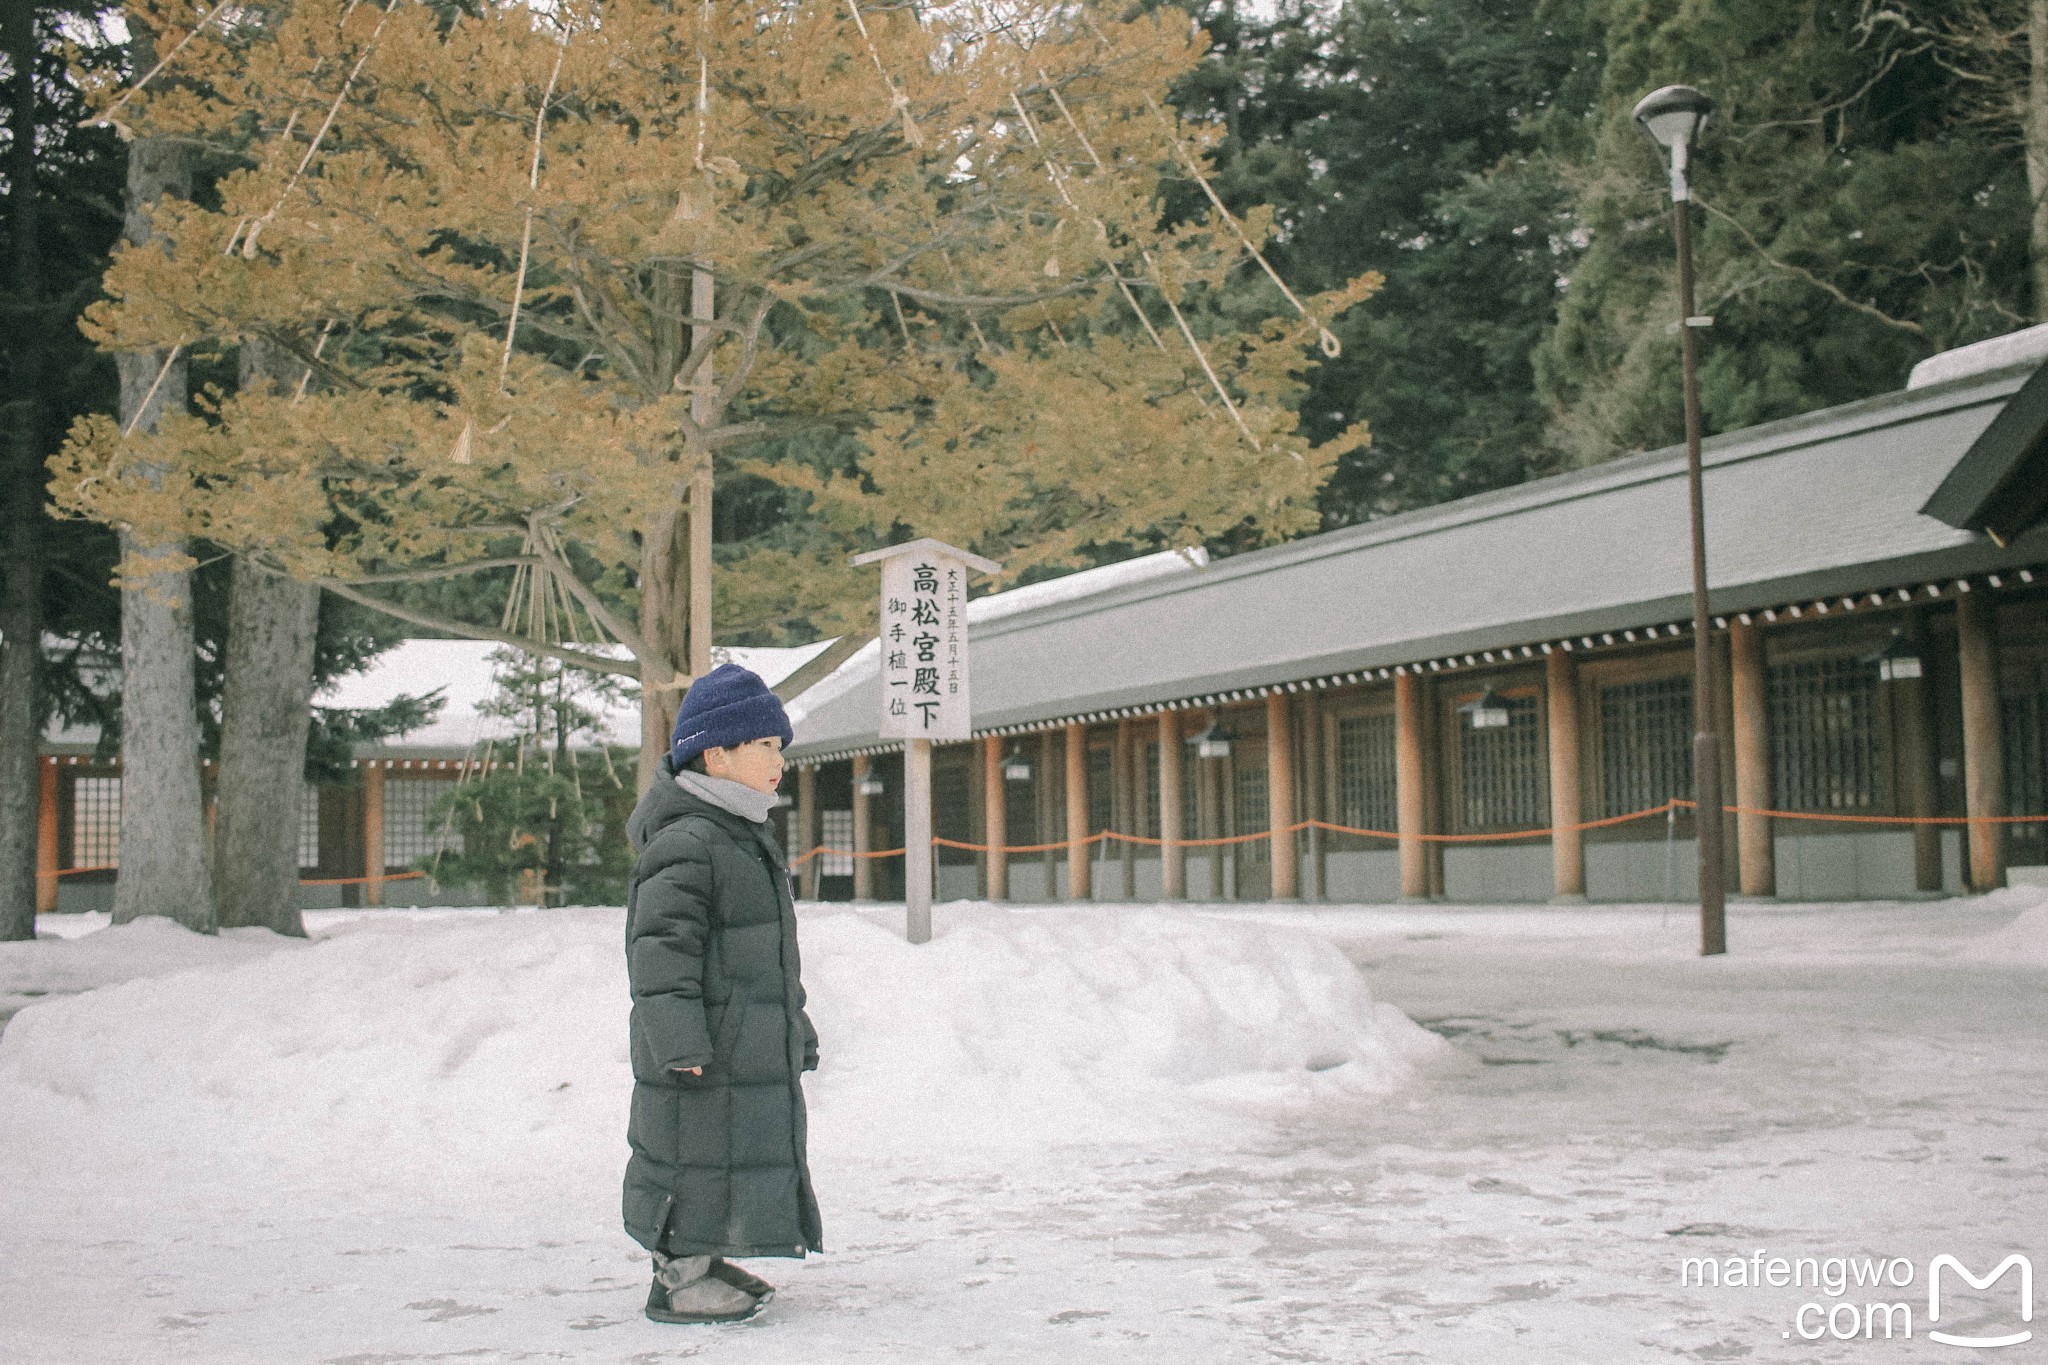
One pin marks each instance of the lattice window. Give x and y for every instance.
(1500, 770)
(309, 826)
(1645, 744)
(952, 808)
(1151, 785)
(411, 830)
(1020, 804)
(1250, 807)
(95, 821)
(1101, 789)
(1824, 741)
(2026, 755)
(1366, 796)
(1191, 823)
(835, 830)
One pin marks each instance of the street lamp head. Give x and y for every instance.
(1673, 115)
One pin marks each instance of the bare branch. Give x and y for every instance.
(1826, 287)
(596, 663)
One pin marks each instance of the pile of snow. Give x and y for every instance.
(2023, 943)
(65, 963)
(471, 1051)
(1025, 1029)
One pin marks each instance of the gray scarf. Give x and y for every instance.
(728, 795)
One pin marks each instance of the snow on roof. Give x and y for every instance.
(463, 670)
(865, 663)
(1981, 357)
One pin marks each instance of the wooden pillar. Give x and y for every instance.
(373, 833)
(1408, 793)
(1312, 767)
(1280, 796)
(1126, 799)
(1567, 841)
(1913, 733)
(996, 821)
(863, 833)
(1173, 876)
(1756, 862)
(1983, 744)
(1332, 799)
(807, 828)
(46, 837)
(1209, 809)
(1079, 884)
(1048, 749)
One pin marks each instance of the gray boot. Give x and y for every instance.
(685, 1290)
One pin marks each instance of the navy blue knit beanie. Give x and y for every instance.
(728, 706)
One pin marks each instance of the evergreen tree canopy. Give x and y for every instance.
(481, 232)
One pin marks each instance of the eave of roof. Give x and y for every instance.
(1809, 507)
(2000, 486)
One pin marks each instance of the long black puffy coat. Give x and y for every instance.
(718, 1164)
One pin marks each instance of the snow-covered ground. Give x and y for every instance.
(1158, 1134)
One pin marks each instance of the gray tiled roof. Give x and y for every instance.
(1810, 507)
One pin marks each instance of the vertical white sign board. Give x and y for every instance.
(925, 693)
(924, 648)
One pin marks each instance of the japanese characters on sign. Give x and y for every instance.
(924, 648)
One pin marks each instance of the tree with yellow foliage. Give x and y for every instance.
(542, 271)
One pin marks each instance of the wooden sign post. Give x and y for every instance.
(924, 688)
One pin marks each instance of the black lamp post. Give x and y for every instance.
(1673, 116)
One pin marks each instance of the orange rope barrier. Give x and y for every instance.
(303, 881)
(1497, 836)
(1880, 819)
(354, 881)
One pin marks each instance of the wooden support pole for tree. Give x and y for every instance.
(1173, 875)
(701, 310)
(1079, 884)
(807, 828)
(1567, 841)
(1756, 859)
(46, 836)
(1983, 743)
(1408, 792)
(1280, 796)
(863, 833)
(996, 823)
(373, 833)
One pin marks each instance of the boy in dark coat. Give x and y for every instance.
(719, 1034)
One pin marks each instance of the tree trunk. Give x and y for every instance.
(265, 713)
(2034, 121)
(21, 483)
(164, 867)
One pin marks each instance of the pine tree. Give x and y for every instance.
(547, 272)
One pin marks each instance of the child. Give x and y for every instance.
(719, 1034)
